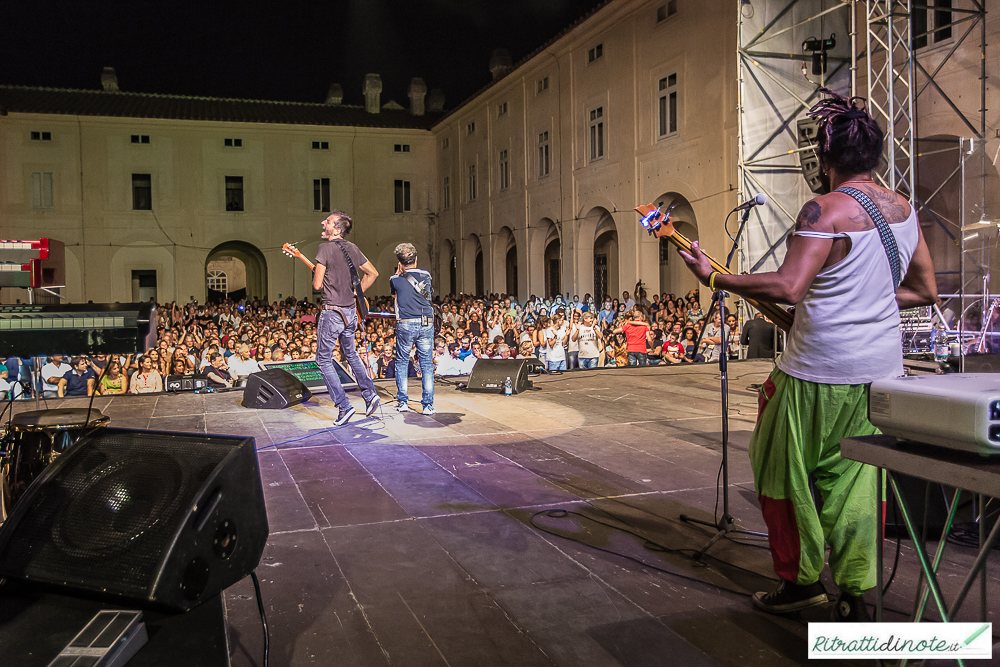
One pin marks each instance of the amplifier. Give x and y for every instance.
(958, 411)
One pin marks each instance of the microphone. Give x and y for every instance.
(759, 199)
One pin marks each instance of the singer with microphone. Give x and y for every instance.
(856, 257)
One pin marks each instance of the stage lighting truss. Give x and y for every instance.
(775, 88)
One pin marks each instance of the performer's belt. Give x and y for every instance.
(409, 319)
(329, 307)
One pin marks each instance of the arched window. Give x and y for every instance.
(217, 281)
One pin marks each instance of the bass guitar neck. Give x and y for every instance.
(660, 224)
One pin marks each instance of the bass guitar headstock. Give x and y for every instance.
(655, 221)
(291, 250)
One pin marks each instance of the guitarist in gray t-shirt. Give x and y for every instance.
(343, 273)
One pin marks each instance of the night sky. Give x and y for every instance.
(289, 50)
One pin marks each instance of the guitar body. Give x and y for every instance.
(660, 224)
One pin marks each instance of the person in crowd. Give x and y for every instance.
(555, 338)
(848, 284)
(146, 380)
(79, 380)
(716, 336)
(635, 330)
(573, 346)
(525, 350)
(339, 319)
(673, 351)
(733, 340)
(761, 337)
(241, 364)
(9, 388)
(539, 339)
(113, 380)
(690, 344)
(654, 346)
(620, 349)
(589, 341)
(219, 376)
(412, 290)
(52, 372)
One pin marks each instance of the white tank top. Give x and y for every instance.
(846, 329)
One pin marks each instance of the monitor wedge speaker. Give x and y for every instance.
(165, 520)
(490, 375)
(274, 389)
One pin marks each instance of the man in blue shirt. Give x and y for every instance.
(414, 326)
(78, 381)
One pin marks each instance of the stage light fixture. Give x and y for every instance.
(818, 48)
(746, 9)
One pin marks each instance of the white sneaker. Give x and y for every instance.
(401, 406)
(428, 409)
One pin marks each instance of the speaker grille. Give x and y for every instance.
(129, 491)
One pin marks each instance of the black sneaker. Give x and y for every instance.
(850, 609)
(345, 416)
(789, 597)
(372, 405)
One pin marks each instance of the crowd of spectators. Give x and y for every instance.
(227, 341)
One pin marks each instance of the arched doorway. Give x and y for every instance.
(449, 267)
(511, 264)
(235, 270)
(540, 236)
(505, 262)
(674, 276)
(553, 267)
(606, 275)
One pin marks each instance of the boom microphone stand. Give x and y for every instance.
(726, 523)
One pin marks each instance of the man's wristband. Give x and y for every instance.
(711, 280)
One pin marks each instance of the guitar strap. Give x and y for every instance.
(355, 282)
(884, 233)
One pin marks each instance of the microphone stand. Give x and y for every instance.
(726, 524)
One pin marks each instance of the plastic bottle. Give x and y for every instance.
(941, 347)
(508, 388)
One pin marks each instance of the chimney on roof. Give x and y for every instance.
(435, 101)
(500, 64)
(417, 92)
(109, 80)
(335, 96)
(373, 92)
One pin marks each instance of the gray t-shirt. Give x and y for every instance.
(337, 290)
(715, 351)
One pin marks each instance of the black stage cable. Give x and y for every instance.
(895, 561)
(263, 616)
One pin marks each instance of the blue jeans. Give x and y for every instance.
(588, 363)
(557, 365)
(637, 359)
(330, 328)
(409, 334)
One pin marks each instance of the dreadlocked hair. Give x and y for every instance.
(849, 140)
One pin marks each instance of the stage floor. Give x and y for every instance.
(418, 540)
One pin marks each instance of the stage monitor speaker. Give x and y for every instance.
(274, 389)
(163, 519)
(490, 375)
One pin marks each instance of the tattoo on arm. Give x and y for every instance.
(808, 216)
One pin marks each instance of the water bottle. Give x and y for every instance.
(941, 347)
(508, 389)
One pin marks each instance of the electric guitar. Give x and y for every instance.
(360, 302)
(658, 223)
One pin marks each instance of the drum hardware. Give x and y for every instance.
(32, 440)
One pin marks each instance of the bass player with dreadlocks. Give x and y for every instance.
(855, 258)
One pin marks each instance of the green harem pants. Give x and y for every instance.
(798, 432)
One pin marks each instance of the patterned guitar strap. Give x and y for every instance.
(884, 233)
